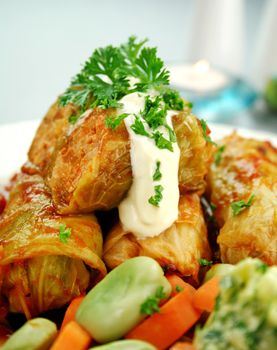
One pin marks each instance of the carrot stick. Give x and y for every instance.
(175, 318)
(205, 296)
(71, 311)
(178, 285)
(182, 346)
(72, 336)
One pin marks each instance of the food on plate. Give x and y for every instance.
(179, 248)
(242, 187)
(126, 345)
(120, 138)
(113, 306)
(245, 316)
(46, 259)
(85, 154)
(36, 334)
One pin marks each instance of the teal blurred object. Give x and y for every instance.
(223, 104)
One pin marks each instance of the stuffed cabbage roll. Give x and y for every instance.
(48, 259)
(88, 165)
(242, 185)
(178, 248)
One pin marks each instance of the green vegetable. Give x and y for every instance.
(64, 233)
(151, 304)
(205, 132)
(157, 197)
(36, 334)
(245, 314)
(113, 122)
(179, 289)
(157, 174)
(271, 94)
(113, 306)
(205, 262)
(218, 155)
(125, 345)
(218, 270)
(239, 206)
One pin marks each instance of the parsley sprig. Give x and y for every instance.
(241, 205)
(205, 262)
(157, 197)
(205, 132)
(218, 155)
(157, 174)
(151, 304)
(64, 233)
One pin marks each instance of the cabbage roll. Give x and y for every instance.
(177, 249)
(48, 259)
(242, 186)
(87, 165)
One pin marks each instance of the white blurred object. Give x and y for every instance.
(198, 77)
(264, 62)
(218, 33)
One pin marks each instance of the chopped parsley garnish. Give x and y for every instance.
(213, 207)
(218, 155)
(161, 142)
(173, 100)
(179, 288)
(239, 206)
(151, 304)
(205, 262)
(157, 197)
(72, 119)
(64, 233)
(157, 174)
(205, 132)
(113, 122)
(139, 128)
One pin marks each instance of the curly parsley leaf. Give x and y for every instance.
(151, 304)
(218, 155)
(138, 127)
(157, 197)
(161, 142)
(205, 262)
(241, 205)
(157, 174)
(114, 121)
(64, 233)
(73, 119)
(205, 132)
(173, 100)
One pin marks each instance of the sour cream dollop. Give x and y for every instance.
(136, 214)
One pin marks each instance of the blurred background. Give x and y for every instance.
(43, 44)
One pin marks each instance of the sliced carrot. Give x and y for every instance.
(175, 318)
(178, 285)
(205, 296)
(71, 311)
(182, 346)
(72, 336)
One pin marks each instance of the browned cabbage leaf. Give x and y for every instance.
(41, 271)
(247, 167)
(88, 165)
(178, 248)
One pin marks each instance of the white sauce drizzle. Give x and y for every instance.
(136, 213)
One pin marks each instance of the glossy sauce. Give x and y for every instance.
(136, 213)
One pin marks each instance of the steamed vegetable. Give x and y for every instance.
(72, 336)
(36, 334)
(45, 270)
(113, 307)
(175, 318)
(219, 270)
(205, 297)
(125, 345)
(245, 315)
(178, 248)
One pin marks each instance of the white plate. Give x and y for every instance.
(15, 139)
